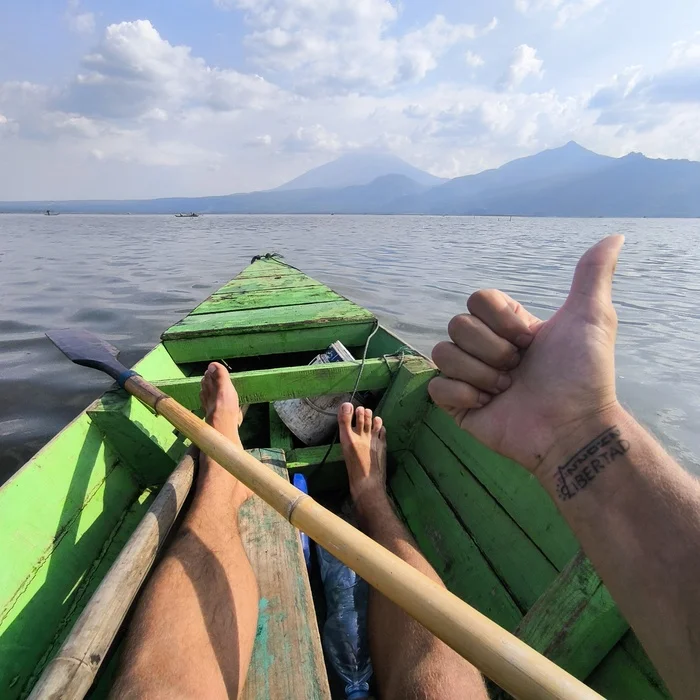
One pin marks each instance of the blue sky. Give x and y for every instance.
(142, 99)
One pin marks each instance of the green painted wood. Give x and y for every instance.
(147, 443)
(635, 651)
(87, 587)
(157, 364)
(287, 659)
(385, 342)
(522, 567)
(267, 268)
(576, 622)
(253, 284)
(56, 516)
(303, 457)
(447, 546)
(301, 340)
(405, 403)
(240, 301)
(263, 386)
(517, 491)
(619, 677)
(332, 313)
(280, 436)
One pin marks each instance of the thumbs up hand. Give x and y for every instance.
(523, 386)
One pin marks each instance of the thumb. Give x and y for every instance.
(594, 273)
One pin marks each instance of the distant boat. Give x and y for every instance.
(48, 212)
(191, 215)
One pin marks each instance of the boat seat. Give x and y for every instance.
(268, 309)
(287, 658)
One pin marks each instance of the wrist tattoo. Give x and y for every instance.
(589, 461)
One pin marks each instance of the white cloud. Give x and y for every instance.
(133, 71)
(524, 63)
(473, 59)
(262, 141)
(79, 22)
(566, 10)
(312, 139)
(341, 46)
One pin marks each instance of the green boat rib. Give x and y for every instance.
(485, 525)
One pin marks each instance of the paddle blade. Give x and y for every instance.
(86, 349)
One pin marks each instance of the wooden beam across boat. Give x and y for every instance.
(263, 386)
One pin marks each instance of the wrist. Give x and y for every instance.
(582, 450)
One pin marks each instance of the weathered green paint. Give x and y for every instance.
(280, 436)
(267, 298)
(575, 623)
(267, 268)
(56, 517)
(287, 659)
(405, 403)
(331, 313)
(447, 546)
(157, 364)
(303, 457)
(619, 677)
(253, 284)
(518, 492)
(522, 567)
(145, 441)
(262, 386)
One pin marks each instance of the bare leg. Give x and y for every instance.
(193, 630)
(409, 662)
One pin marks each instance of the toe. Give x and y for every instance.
(217, 371)
(367, 426)
(359, 419)
(382, 433)
(345, 419)
(376, 424)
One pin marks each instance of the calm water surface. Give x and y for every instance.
(128, 278)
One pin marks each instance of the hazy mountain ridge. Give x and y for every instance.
(565, 181)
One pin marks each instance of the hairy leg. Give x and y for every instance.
(409, 662)
(193, 630)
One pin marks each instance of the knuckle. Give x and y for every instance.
(460, 324)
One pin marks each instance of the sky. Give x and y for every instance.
(145, 99)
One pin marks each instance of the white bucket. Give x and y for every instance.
(314, 420)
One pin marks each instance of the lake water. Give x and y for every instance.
(128, 278)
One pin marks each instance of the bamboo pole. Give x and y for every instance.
(506, 660)
(72, 671)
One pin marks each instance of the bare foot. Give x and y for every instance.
(222, 410)
(364, 450)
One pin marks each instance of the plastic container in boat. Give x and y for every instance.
(314, 420)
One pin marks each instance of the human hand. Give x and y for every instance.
(521, 385)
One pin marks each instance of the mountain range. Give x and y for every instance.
(565, 181)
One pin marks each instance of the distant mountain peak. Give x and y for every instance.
(359, 168)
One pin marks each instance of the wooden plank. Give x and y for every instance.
(635, 651)
(240, 301)
(157, 364)
(287, 657)
(80, 493)
(405, 403)
(522, 567)
(517, 491)
(267, 268)
(304, 457)
(263, 386)
(447, 546)
(576, 622)
(147, 443)
(619, 677)
(277, 343)
(280, 436)
(253, 284)
(332, 313)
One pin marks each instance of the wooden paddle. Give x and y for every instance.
(509, 662)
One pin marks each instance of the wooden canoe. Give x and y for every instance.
(484, 524)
